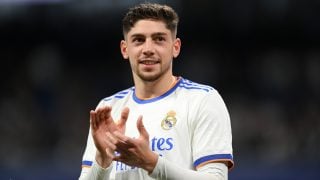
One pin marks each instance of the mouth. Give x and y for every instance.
(149, 62)
(148, 65)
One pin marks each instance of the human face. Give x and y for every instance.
(150, 48)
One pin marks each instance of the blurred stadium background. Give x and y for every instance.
(58, 58)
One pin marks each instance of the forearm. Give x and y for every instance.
(167, 170)
(95, 172)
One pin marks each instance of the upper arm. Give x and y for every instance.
(212, 138)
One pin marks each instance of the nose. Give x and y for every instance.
(148, 48)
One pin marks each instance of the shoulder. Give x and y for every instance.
(119, 96)
(192, 88)
(199, 94)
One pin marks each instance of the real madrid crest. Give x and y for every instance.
(169, 121)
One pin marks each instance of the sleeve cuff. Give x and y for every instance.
(100, 172)
(157, 169)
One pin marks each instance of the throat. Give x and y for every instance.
(151, 90)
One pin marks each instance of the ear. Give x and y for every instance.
(123, 48)
(176, 47)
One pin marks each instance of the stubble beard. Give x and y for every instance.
(149, 77)
(152, 76)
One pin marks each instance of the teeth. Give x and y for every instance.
(149, 62)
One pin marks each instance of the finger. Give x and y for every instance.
(107, 115)
(123, 142)
(111, 139)
(120, 137)
(100, 114)
(142, 130)
(97, 116)
(110, 146)
(124, 117)
(110, 153)
(93, 119)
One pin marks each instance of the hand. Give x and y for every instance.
(102, 123)
(135, 151)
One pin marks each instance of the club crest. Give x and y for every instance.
(169, 121)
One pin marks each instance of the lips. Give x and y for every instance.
(149, 65)
(148, 62)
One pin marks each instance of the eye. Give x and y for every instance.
(138, 40)
(160, 38)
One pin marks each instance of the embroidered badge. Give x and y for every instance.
(169, 121)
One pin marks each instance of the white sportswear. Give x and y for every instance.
(189, 127)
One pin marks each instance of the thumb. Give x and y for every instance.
(123, 119)
(142, 130)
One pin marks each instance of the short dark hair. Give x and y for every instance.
(151, 11)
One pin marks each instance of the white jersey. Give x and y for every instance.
(188, 125)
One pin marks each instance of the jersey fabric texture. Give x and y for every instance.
(188, 125)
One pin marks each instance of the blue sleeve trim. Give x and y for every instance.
(87, 163)
(213, 157)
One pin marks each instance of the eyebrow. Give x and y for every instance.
(152, 35)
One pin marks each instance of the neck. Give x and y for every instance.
(152, 89)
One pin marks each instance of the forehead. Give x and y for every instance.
(149, 27)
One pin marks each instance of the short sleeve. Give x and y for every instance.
(212, 137)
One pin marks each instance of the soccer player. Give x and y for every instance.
(165, 126)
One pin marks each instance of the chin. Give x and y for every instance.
(149, 77)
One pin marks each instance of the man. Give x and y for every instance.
(176, 129)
